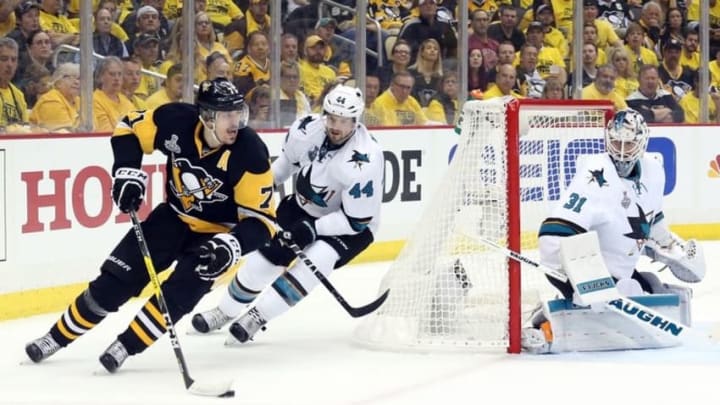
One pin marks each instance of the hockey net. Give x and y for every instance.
(448, 291)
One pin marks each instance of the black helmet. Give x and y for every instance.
(219, 95)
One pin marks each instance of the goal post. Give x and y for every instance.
(448, 290)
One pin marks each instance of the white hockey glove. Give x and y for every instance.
(685, 259)
(217, 255)
(129, 188)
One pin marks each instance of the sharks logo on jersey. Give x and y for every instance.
(640, 227)
(598, 176)
(359, 159)
(193, 186)
(318, 195)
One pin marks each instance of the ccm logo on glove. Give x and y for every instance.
(217, 255)
(129, 188)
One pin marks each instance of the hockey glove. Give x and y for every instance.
(302, 233)
(217, 255)
(129, 188)
(685, 259)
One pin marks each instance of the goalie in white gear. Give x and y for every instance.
(332, 216)
(619, 195)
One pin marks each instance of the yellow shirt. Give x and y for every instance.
(591, 92)
(56, 23)
(157, 99)
(605, 33)
(148, 84)
(313, 78)
(222, 11)
(7, 25)
(691, 105)
(202, 54)
(73, 6)
(647, 57)
(494, 91)
(106, 112)
(714, 68)
(172, 9)
(138, 102)
(14, 106)
(54, 112)
(694, 13)
(625, 86)
(692, 61)
(555, 39)
(394, 114)
(563, 13)
(547, 57)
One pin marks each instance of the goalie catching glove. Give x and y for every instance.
(217, 255)
(129, 188)
(685, 259)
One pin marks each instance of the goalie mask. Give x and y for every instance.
(222, 111)
(626, 139)
(343, 106)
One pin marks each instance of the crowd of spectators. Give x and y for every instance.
(638, 53)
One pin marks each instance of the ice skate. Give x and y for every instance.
(42, 348)
(247, 326)
(207, 321)
(114, 356)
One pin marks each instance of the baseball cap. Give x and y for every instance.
(589, 3)
(24, 7)
(325, 21)
(146, 10)
(144, 39)
(535, 26)
(673, 44)
(313, 40)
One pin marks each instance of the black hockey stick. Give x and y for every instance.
(354, 312)
(222, 390)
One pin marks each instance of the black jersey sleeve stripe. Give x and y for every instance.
(559, 227)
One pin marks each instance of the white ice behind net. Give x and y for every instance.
(447, 290)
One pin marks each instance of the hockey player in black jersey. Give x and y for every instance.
(219, 206)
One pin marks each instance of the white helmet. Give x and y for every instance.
(626, 139)
(344, 101)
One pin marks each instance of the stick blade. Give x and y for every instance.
(219, 389)
(371, 307)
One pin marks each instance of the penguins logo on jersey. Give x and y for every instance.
(318, 195)
(598, 176)
(193, 186)
(640, 228)
(359, 159)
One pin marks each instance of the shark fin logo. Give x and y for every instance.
(359, 159)
(598, 176)
(714, 171)
(193, 186)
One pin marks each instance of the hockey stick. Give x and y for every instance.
(627, 307)
(354, 312)
(222, 390)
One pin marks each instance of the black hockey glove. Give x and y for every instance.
(217, 255)
(302, 233)
(129, 188)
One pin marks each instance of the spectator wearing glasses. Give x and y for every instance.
(58, 109)
(27, 15)
(396, 106)
(206, 43)
(479, 38)
(399, 62)
(293, 102)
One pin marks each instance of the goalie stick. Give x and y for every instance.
(353, 311)
(222, 389)
(627, 307)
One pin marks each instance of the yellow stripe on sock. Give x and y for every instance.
(155, 313)
(78, 318)
(141, 333)
(64, 331)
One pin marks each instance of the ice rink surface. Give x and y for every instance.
(307, 357)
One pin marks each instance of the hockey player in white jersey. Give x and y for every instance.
(619, 195)
(332, 216)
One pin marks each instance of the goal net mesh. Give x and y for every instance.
(448, 291)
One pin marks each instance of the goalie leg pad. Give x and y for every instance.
(580, 329)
